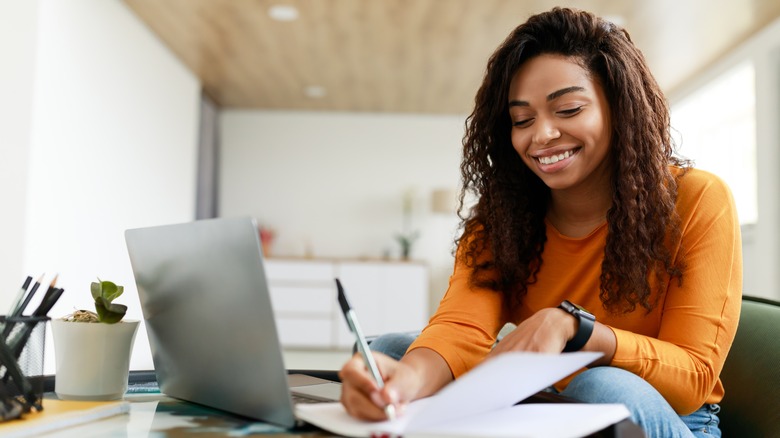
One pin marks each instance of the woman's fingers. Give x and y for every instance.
(360, 405)
(355, 373)
(546, 331)
(360, 393)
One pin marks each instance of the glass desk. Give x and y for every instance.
(156, 415)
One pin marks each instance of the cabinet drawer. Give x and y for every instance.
(303, 299)
(282, 271)
(305, 332)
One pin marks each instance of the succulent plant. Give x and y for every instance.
(104, 293)
(108, 312)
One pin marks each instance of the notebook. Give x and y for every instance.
(59, 414)
(483, 403)
(208, 316)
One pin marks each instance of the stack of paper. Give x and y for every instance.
(483, 403)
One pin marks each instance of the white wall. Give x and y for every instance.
(112, 146)
(761, 242)
(18, 34)
(332, 184)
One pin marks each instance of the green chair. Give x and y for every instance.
(751, 374)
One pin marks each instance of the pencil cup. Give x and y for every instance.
(22, 344)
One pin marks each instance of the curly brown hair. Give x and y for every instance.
(508, 221)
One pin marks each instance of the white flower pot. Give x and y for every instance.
(92, 359)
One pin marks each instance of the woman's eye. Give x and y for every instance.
(522, 123)
(570, 112)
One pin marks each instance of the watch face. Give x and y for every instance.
(585, 313)
(576, 310)
(581, 308)
(569, 306)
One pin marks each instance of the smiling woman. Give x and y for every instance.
(582, 204)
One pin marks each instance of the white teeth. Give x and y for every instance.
(554, 158)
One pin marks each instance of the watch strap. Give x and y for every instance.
(584, 331)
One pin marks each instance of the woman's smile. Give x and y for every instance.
(551, 161)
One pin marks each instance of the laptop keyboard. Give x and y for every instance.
(304, 399)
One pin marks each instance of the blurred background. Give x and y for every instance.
(337, 124)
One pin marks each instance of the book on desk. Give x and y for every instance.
(483, 402)
(59, 414)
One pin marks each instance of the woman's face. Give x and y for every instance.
(560, 123)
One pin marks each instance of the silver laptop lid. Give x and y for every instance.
(208, 315)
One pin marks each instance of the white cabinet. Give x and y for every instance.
(387, 297)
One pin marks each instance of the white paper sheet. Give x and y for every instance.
(500, 382)
(546, 420)
(492, 387)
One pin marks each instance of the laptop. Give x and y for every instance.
(208, 315)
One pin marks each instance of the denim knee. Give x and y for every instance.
(704, 423)
(649, 409)
(393, 344)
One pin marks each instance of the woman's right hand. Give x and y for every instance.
(419, 374)
(360, 394)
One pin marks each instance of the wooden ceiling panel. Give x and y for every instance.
(411, 56)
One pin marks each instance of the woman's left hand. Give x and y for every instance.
(546, 331)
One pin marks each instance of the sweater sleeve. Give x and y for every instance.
(700, 314)
(466, 323)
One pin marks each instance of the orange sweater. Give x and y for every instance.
(679, 347)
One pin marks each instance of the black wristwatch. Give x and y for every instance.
(586, 319)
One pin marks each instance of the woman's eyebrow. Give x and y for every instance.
(550, 97)
(556, 94)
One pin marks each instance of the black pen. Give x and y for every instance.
(362, 345)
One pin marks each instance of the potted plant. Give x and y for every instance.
(92, 349)
(407, 237)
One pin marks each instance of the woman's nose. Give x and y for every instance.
(546, 131)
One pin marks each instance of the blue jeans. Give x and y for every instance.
(609, 385)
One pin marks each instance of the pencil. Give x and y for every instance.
(52, 284)
(19, 296)
(48, 302)
(18, 342)
(29, 296)
(9, 325)
(49, 291)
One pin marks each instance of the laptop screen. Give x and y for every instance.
(208, 315)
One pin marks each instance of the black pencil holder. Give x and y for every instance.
(22, 344)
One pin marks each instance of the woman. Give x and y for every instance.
(581, 202)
